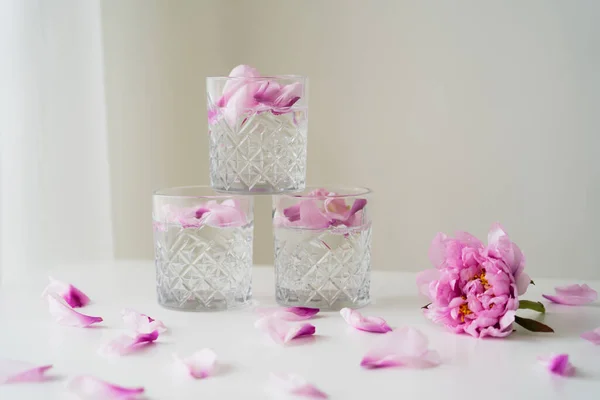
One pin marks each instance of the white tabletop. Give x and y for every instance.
(487, 368)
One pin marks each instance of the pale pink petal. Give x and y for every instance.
(404, 347)
(141, 323)
(240, 103)
(224, 215)
(336, 208)
(268, 92)
(233, 85)
(12, 371)
(592, 336)
(90, 388)
(288, 95)
(292, 213)
(311, 216)
(523, 281)
(437, 250)
(282, 332)
(294, 385)
(289, 313)
(424, 278)
(126, 344)
(558, 364)
(73, 296)
(65, 315)
(199, 365)
(573, 295)
(368, 324)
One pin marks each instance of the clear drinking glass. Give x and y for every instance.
(323, 247)
(203, 248)
(257, 133)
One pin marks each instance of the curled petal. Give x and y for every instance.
(233, 85)
(125, 344)
(368, 324)
(73, 296)
(141, 323)
(406, 347)
(311, 216)
(573, 295)
(225, 215)
(292, 213)
(592, 336)
(281, 332)
(267, 93)
(295, 385)
(65, 315)
(199, 365)
(424, 278)
(558, 364)
(12, 371)
(90, 388)
(290, 313)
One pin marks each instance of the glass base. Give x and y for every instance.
(266, 189)
(196, 306)
(291, 298)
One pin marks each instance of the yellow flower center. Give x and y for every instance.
(482, 279)
(464, 310)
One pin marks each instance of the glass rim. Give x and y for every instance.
(257, 78)
(360, 191)
(171, 192)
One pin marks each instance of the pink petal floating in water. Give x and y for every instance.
(368, 324)
(406, 347)
(289, 313)
(126, 344)
(65, 315)
(141, 323)
(573, 295)
(199, 365)
(90, 388)
(12, 371)
(226, 214)
(311, 215)
(233, 85)
(593, 336)
(281, 332)
(294, 385)
(558, 364)
(73, 296)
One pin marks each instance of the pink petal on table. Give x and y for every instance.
(281, 332)
(289, 313)
(573, 295)
(558, 364)
(126, 344)
(406, 347)
(90, 388)
(592, 336)
(199, 365)
(65, 315)
(141, 323)
(12, 371)
(424, 278)
(73, 296)
(294, 385)
(368, 324)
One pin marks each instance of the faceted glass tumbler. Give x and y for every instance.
(203, 249)
(323, 248)
(257, 133)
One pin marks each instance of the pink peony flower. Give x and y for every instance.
(474, 288)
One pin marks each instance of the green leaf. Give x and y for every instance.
(426, 306)
(532, 325)
(532, 305)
